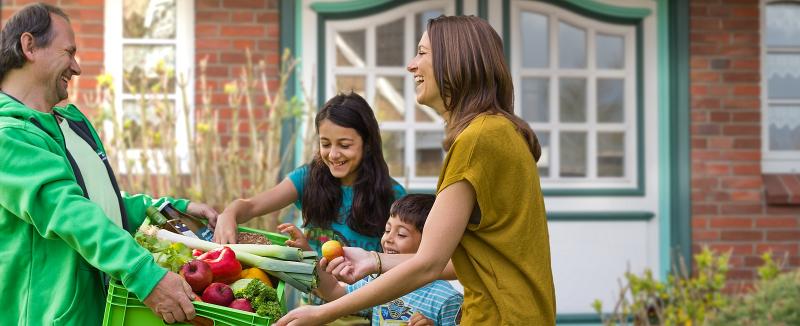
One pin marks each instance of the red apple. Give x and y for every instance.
(241, 304)
(219, 294)
(198, 274)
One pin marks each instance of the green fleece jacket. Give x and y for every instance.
(54, 242)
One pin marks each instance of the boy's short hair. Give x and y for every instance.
(413, 209)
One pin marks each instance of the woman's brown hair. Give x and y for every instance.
(473, 77)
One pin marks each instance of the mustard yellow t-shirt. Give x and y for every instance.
(504, 260)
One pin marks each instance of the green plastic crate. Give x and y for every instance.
(124, 308)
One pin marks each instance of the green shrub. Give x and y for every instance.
(774, 302)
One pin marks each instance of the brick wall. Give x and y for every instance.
(224, 29)
(728, 199)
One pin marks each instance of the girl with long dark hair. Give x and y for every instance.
(489, 214)
(344, 192)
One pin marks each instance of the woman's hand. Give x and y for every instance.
(356, 264)
(305, 315)
(225, 231)
(204, 210)
(298, 239)
(418, 319)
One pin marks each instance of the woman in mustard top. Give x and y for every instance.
(489, 214)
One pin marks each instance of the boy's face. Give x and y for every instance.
(400, 237)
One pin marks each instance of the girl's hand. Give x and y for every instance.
(200, 209)
(298, 239)
(305, 315)
(225, 231)
(418, 319)
(356, 264)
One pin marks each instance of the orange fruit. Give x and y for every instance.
(332, 249)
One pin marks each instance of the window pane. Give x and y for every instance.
(572, 153)
(610, 51)
(351, 48)
(610, 99)
(611, 154)
(571, 46)
(148, 19)
(429, 153)
(394, 152)
(389, 40)
(148, 68)
(536, 99)
(572, 98)
(421, 23)
(346, 84)
(544, 160)
(784, 128)
(783, 76)
(535, 40)
(782, 26)
(389, 102)
(155, 123)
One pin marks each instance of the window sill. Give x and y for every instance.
(782, 189)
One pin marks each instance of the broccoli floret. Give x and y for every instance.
(271, 310)
(262, 298)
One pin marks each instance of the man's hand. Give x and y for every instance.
(356, 264)
(172, 299)
(298, 239)
(200, 209)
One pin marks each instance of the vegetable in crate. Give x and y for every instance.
(224, 265)
(170, 255)
(263, 298)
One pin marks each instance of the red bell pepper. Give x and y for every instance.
(224, 265)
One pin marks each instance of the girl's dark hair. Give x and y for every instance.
(34, 19)
(372, 189)
(413, 209)
(473, 77)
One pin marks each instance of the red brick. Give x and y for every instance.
(736, 77)
(705, 155)
(241, 31)
(734, 248)
(706, 130)
(776, 222)
(745, 143)
(704, 209)
(742, 182)
(783, 235)
(699, 143)
(730, 222)
(736, 208)
(706, 103)
(727, 235)
(215, 17)
(720, 117)
(740, 24)
(704, 49)
(746, 90)
(778, 250)
(746, 196)
(705, 235)
(741, 130)
(751, 12)
(746, 64)
(244, 4)
(792, 184)
(699, 116)
(747, 116)
(747, 168)
(720, 142)
(206, 30)
(243, 17)
(699, 24)
(207, 4)
(742, 155)
(215, 43)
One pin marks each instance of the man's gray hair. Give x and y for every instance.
(34, 19)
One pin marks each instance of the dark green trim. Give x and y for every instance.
(288, 40)
(680, 122)
(459, 7)
(569, 319)
(600, 216)
(483, 9)
(620, 16)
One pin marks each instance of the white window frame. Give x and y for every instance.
(184, 66)
(629, 125)
(774, 161)
(370, 71)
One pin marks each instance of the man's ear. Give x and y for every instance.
(26, 41)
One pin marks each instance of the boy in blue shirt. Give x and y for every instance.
(436, 303)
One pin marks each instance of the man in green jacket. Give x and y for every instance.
(63, 220)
